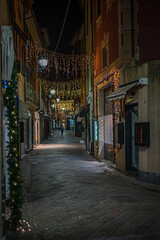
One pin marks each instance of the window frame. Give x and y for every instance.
(105, 45)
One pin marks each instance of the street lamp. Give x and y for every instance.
(42, 65)
(43, 62)
(57, 100)
(52, 106)
(52, 91)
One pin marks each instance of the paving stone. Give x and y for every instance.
(69, 195)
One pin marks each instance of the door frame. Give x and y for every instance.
(129, 138)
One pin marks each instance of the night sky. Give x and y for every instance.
(50, 14)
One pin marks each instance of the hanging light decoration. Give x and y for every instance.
(75, 65)
(52, 91)
(43, 63)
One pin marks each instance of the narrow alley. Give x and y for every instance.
(70, 195)
(79, 120)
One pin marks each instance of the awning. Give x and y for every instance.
(123, 89)
(7, 42)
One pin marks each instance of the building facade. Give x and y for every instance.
(5, 73)
(88, 32)
(110, 55)
(31, 93)
(126, 86)
(18, 27)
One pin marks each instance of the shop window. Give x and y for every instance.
(142, 134)
(98, 8)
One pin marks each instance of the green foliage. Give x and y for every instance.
(13, 158)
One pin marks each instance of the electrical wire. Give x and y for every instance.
(62, 27)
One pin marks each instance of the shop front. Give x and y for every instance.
(137, 129)
(125, 125)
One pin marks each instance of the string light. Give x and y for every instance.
(23, 226)
(13, 159)
(65, 90)
(114, 78)
(62, 63)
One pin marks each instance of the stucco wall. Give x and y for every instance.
(4, 15)
(101, 29)
(148, 111)
(154, 116)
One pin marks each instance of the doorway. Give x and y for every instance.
(132, 151)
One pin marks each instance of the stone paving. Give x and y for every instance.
(69, 195)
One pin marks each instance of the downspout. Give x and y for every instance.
(132, 30)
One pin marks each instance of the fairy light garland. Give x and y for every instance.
(63, 105)
(24, 226)
(65, 90)
(13, 158)
(61, 62)
(114, 77)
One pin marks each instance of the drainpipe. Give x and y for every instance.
(132, 29)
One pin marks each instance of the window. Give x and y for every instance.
(105, 56)
(98, 15)
(87, 18)
(105, 51)
(98, 8)
(142, 134)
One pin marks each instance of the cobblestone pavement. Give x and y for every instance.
(69, 195)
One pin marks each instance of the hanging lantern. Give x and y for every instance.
(52, 91)
(43, 62)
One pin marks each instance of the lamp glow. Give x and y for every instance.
(43, 62)
(52, 91)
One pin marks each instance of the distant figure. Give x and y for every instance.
(62, 129)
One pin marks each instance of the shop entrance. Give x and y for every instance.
(131, 149)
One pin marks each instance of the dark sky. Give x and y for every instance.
(50, 14)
